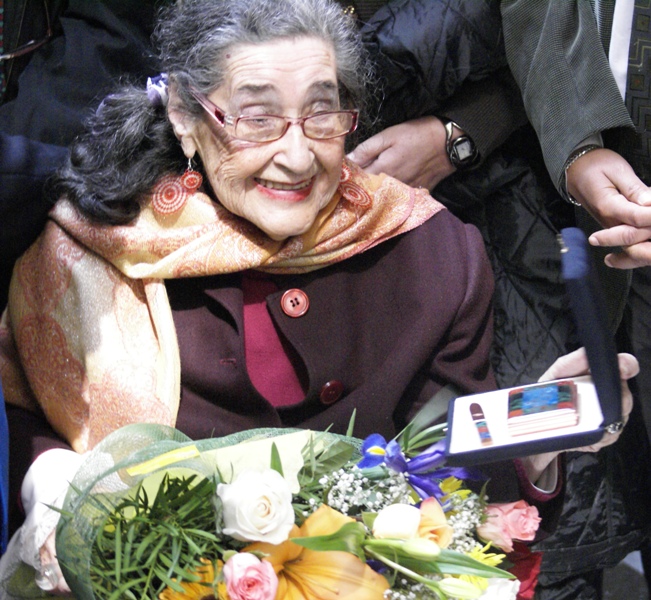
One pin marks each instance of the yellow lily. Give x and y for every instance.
(305, 574)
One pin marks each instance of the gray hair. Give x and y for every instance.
(129, 143)
(194, 36)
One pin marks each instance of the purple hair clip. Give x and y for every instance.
(157, 90)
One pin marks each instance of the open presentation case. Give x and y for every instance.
(559, 415)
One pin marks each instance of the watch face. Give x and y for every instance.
(463, 152)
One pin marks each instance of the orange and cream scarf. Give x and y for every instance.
(88, 336)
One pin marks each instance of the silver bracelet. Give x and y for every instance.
(578, 153)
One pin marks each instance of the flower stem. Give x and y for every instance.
(432, 585)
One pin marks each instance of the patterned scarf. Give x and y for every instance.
(88, 335)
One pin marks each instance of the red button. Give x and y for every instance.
(294, 303)
(331, 392)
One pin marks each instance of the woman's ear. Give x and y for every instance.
(183, 124)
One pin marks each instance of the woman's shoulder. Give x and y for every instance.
(432, 226)
(384, 189)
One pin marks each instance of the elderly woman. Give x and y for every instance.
(215, 264)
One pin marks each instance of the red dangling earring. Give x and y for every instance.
(191, 179)
(172, 192)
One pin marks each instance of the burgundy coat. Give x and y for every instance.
(385, 330)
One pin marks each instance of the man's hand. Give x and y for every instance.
(413, 152)
(608, 188)
(575, 364)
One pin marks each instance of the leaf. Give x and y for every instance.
(190, 542)
(351, 424)
(118, 550)
(336, 456)
(427, 437)
(333, 457)
(348, 538)
(455, 563)
(368, 519)
(173, 566)
(119, 593)
(276, 462)
(414, 551)
(164, 577)
(146, 543)
(432, 410)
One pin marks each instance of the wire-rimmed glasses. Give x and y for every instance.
(324, 125)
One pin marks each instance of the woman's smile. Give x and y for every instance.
(286, 192)
(280, 186)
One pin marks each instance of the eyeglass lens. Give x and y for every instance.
(319, 127)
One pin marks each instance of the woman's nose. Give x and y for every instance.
(295, 149)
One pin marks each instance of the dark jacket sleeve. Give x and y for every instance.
(556, 56)
(425, 50)
(489, 111)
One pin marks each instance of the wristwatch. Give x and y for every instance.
(461, 150)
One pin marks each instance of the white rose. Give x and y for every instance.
(257, 507)
(501, 589)
(397, 521)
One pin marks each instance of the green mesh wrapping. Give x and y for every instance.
(103, 481)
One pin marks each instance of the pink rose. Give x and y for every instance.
(249, 578)
(508, 522)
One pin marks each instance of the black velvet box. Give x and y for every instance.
(478, 425)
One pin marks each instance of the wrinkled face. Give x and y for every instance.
(279, 186)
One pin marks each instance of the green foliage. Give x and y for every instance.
(148, 544)
(276, 462)
(420, 433)
(321, 456)
(349, 538)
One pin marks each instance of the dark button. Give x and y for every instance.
(331, 392)
(294, 303)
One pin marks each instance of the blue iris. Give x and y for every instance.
(373, 451)
(422, 472)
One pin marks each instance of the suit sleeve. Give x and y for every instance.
(489, 111)
(555, 53)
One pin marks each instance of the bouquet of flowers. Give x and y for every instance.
(280, 515)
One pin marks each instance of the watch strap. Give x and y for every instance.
(452, 145)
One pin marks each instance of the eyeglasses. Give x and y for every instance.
(32, 44)
(325, 125)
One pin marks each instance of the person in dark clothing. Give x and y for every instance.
(511, 198)
(49, 89)
(584, 77)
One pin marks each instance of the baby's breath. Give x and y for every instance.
(405, 589)
(352, 492)
(464, 518)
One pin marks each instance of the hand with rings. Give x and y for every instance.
(49, 577)
(615, 427)
(576, 363)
